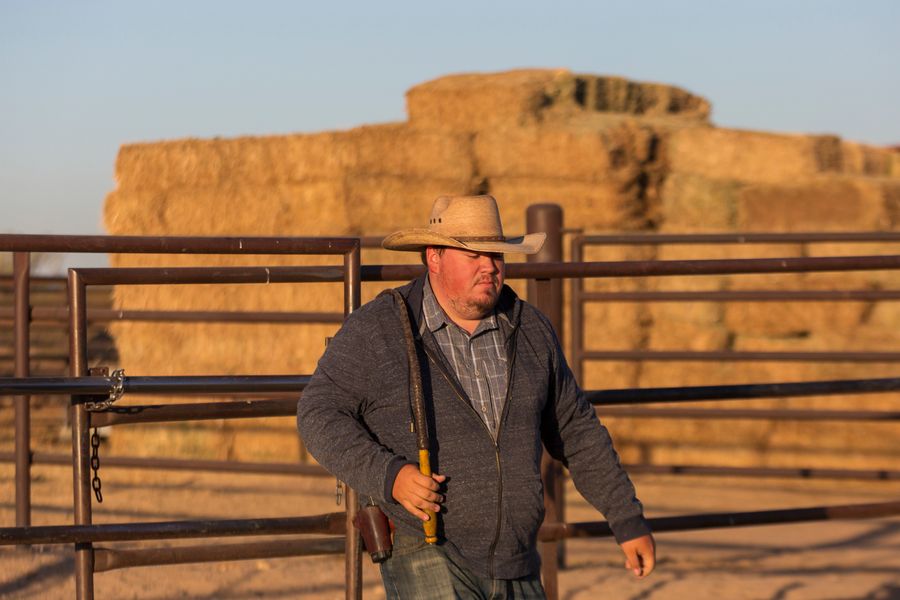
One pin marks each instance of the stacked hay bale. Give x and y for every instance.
(617, 155)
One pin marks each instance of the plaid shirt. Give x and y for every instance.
(479, 359)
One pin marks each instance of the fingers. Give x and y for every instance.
(649, 562)
(640, 555)
(418, 493)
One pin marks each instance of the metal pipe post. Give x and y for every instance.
(576, 314)
(546, 294)
(81, 422)
(22, 281)
(353, 548)
(547, 218)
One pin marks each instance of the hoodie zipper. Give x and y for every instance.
(511, 355)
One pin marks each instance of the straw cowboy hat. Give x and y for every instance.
(470, 222)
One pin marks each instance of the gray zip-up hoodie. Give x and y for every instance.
(355, 415)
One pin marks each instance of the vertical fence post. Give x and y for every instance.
(546, 294)
(576, 314)
(22, 317)
(81, 422)
(353, 548)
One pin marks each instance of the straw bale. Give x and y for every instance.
(470, 102)
(620, 95)
(694, 204)
(612, 325)
(402, 151)
(688, 432)
(179, 440)
(693, 373)
(523, 97)
(161, 165)
(270, 439)
(593, 206)
(807, 457)
(885, 317)
(702, 454)
(380, 204)
(616, 252)
(796, 320)
(726, 282)
(680, 334)
(250, 160)
(861, 159)
(614, 153)
(315, 208)
(861, 437)
(747, 156)
(820, 204)
(891, 192)
(608, 375)
(134, 212)
(185, 349)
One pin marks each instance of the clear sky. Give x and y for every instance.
(79, 79)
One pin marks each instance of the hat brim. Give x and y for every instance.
(416, 240)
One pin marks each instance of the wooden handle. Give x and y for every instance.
(430, 526)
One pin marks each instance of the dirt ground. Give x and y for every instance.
(826, 560)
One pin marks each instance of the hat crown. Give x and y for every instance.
(466, 217)
(467, 222)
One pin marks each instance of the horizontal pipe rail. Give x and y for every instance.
(774, 414)
(209, 275)
(737, 238)
(330, 523)
(778, 472)
(102, 315)
(333, 523)
(182, 464)
(558, 531)
(108, 559)
(263, 468)
(199, 384)
(176, 244)
(162, 413)
(743, 392)
(744, 296)
(739, 356)
(180, 384)
(236, 275)
(336, 245)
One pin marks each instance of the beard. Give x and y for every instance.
(477, 305)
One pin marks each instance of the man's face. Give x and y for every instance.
(468, 281)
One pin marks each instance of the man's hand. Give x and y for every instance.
(640, 555)
(416, 492)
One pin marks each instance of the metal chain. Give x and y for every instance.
(115, 393)
(95, 465)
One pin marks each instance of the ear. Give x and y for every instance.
(432, 260)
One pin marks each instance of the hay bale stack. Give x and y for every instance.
(528, 97)
(618, 155)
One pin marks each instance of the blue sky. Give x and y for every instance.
(78, 79)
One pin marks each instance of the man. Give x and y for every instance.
(497, 387)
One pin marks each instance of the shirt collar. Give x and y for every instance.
(436, 317)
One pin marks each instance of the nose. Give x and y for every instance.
(491, 262)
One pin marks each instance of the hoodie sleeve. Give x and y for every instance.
(329, 411)
(573, 434)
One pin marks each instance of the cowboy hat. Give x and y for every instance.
(469, 222)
